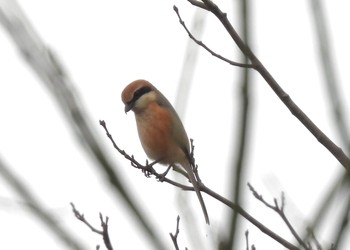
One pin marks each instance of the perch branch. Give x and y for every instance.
(203, 188)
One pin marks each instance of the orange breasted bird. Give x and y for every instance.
(161, 132)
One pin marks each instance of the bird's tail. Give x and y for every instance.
(194, 182)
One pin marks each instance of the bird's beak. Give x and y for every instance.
(128, 106)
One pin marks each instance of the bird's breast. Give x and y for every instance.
(154, 126)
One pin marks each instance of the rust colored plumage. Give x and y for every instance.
(161, 132)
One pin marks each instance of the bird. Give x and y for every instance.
(161, 132)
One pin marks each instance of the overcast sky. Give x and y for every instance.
(107, 44)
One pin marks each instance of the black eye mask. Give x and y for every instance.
(138, 93)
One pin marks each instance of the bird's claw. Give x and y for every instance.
(162, 176)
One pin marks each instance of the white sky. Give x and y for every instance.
(107, 44)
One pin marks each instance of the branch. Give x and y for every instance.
(53, 75)
(343, 226)
(174, 237)
(327, 63)
(247, 241)
(242, 132)
(104, 225)
(198, 4)
(149, 170)
(279, 209)
(200, 43)
(284, 97)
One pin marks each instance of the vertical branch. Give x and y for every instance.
(243, 122)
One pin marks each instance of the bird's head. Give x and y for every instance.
(137, 95)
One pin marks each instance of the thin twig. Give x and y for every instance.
(106, 239)
(177, 231)
(279, 209)
(246, 239)
(200, 43)
(148, 168)
(104, 225)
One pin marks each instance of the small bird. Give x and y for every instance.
(162, 135)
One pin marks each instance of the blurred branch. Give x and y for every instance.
(104, 225)
(340, 183)
(339, 113)
(243, 121)
(343, 226)
(189, 64)
(330, 75)
(149, 170)
(53, 75)
(185, 83)
(284, 97)
(37, 209)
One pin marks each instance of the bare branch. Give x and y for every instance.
(147, 169)
(337, 152)
(200, 43)
(106, 239)
(279, 209)
(104, 225)
(203, 188)
(174, 237)
(198, 4)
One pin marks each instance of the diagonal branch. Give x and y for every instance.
(150, 171)
(147, 169)
(337, 152)
(279, 209)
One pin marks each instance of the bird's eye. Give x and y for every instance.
(140, 92)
